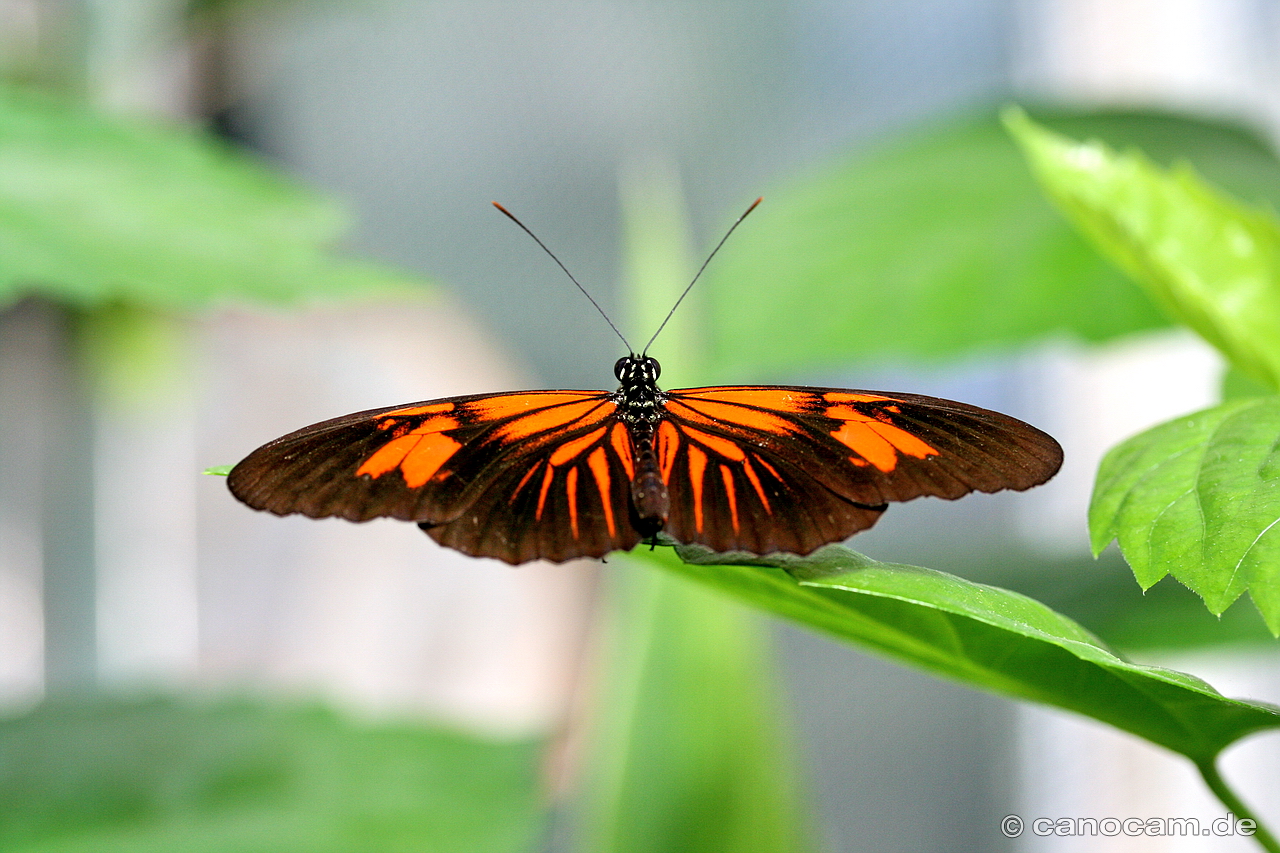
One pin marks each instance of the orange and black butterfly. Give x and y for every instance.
(555, 475)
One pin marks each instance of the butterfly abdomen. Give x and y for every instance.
(649, 496)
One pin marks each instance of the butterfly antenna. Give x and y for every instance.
(699, 273)
(526, 230)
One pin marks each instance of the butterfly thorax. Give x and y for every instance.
(640, 406)
(638, 398)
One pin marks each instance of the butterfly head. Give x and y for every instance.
(637, 370)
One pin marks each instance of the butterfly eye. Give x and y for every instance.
(620, 367)
(652, 368)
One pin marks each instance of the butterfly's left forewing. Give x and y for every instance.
(514, 476)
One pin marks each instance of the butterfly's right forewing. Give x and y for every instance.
(786, 468)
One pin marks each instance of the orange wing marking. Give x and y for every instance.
(776, 399)
(667, 443)
(413, 411)
(727, 476)
(395, 422)
(621, 442)
(571, 449)
(418, 456)
(697, 470)
(531, 423)
(533, 469)
(542, 493)
(838, 397)
(876, 441)
(723, 446)
(755, 482)
(861, 438)
(571, 486)
(506, 405)
(904, 441)
(771, 469)
(715, 413)
(599, 465)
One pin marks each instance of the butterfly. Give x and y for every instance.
(556, 475)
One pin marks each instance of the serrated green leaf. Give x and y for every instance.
(1212, 262)
(97, 209)
(1198, 498)
(985, 637)
(940, 244)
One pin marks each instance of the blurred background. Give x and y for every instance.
(628, 136)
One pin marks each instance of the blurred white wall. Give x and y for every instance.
(374, 616)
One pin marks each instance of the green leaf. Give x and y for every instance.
(97, 209)
(1101, 595)
(1198, 498)
(218, 470)
(937, 245)
(985, 637)
(239, 777)
(690, 752)
(1210, 261)
(1236, 385)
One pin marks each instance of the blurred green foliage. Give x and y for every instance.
(940, 244)
(248, 777)
(1211, 262)
(97, 209)
(691, 752)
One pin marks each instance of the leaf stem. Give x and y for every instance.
(1209, 772)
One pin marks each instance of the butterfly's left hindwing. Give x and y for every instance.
(552, 500)
(513, 476)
